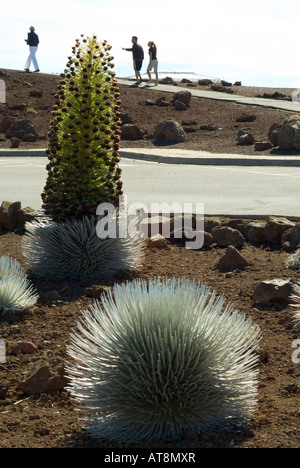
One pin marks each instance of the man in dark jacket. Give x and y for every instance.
(33, 42)
(138, 57)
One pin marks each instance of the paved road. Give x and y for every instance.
(272, 103)
(231, 190)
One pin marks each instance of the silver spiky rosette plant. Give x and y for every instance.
(153, 360)
(296, 304)
(16, 292)
(75, 249)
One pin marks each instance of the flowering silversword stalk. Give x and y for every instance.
(83, 168)
(153, 360)
(83, 172)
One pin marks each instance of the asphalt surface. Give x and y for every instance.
(229, 184)
(253, 191)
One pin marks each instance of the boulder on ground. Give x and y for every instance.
(36, 93)
(255, 232)
(225, 236)
(9, 214)
(232, 260)
(275, 228)
(162, 102)
(23, 347)
(12, 216)
(273, 133)
(42, 378)
(244, 138)
(126, 118)
(6, 123)
(183, 96)
(221, 89)
(208, 127)
(169, 130)
(263, 145)
(167, 80)
(131, 132)
(205, 82)
(226, 83)
(290, 239)
(277, 290)
(157, 242)
(246, 118)
(288, 137)
(179, 105)
(22, 129)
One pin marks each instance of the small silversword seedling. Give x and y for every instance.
(16, 291)
(153, 360)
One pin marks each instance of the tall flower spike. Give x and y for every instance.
(83, 154)
(155, 360)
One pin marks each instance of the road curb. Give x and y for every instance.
(7, 153)
(192, 158)
(210, 160)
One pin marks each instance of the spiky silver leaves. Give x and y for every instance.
(74, 249)
(154, 360)
(296, 303)
(16, 291)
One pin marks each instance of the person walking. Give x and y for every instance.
(33, 42)
(138, 57)
(153, 62)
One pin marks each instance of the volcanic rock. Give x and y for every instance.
(169, 130)
(232, 260)
(225, 236)
(275, 290)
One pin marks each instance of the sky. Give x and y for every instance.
(255, 41)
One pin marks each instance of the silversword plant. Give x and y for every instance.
(16, 291)
(153, 360)
(73, 249)
(83, 172)
(296, 304)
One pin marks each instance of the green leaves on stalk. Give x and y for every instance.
(84, 135)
